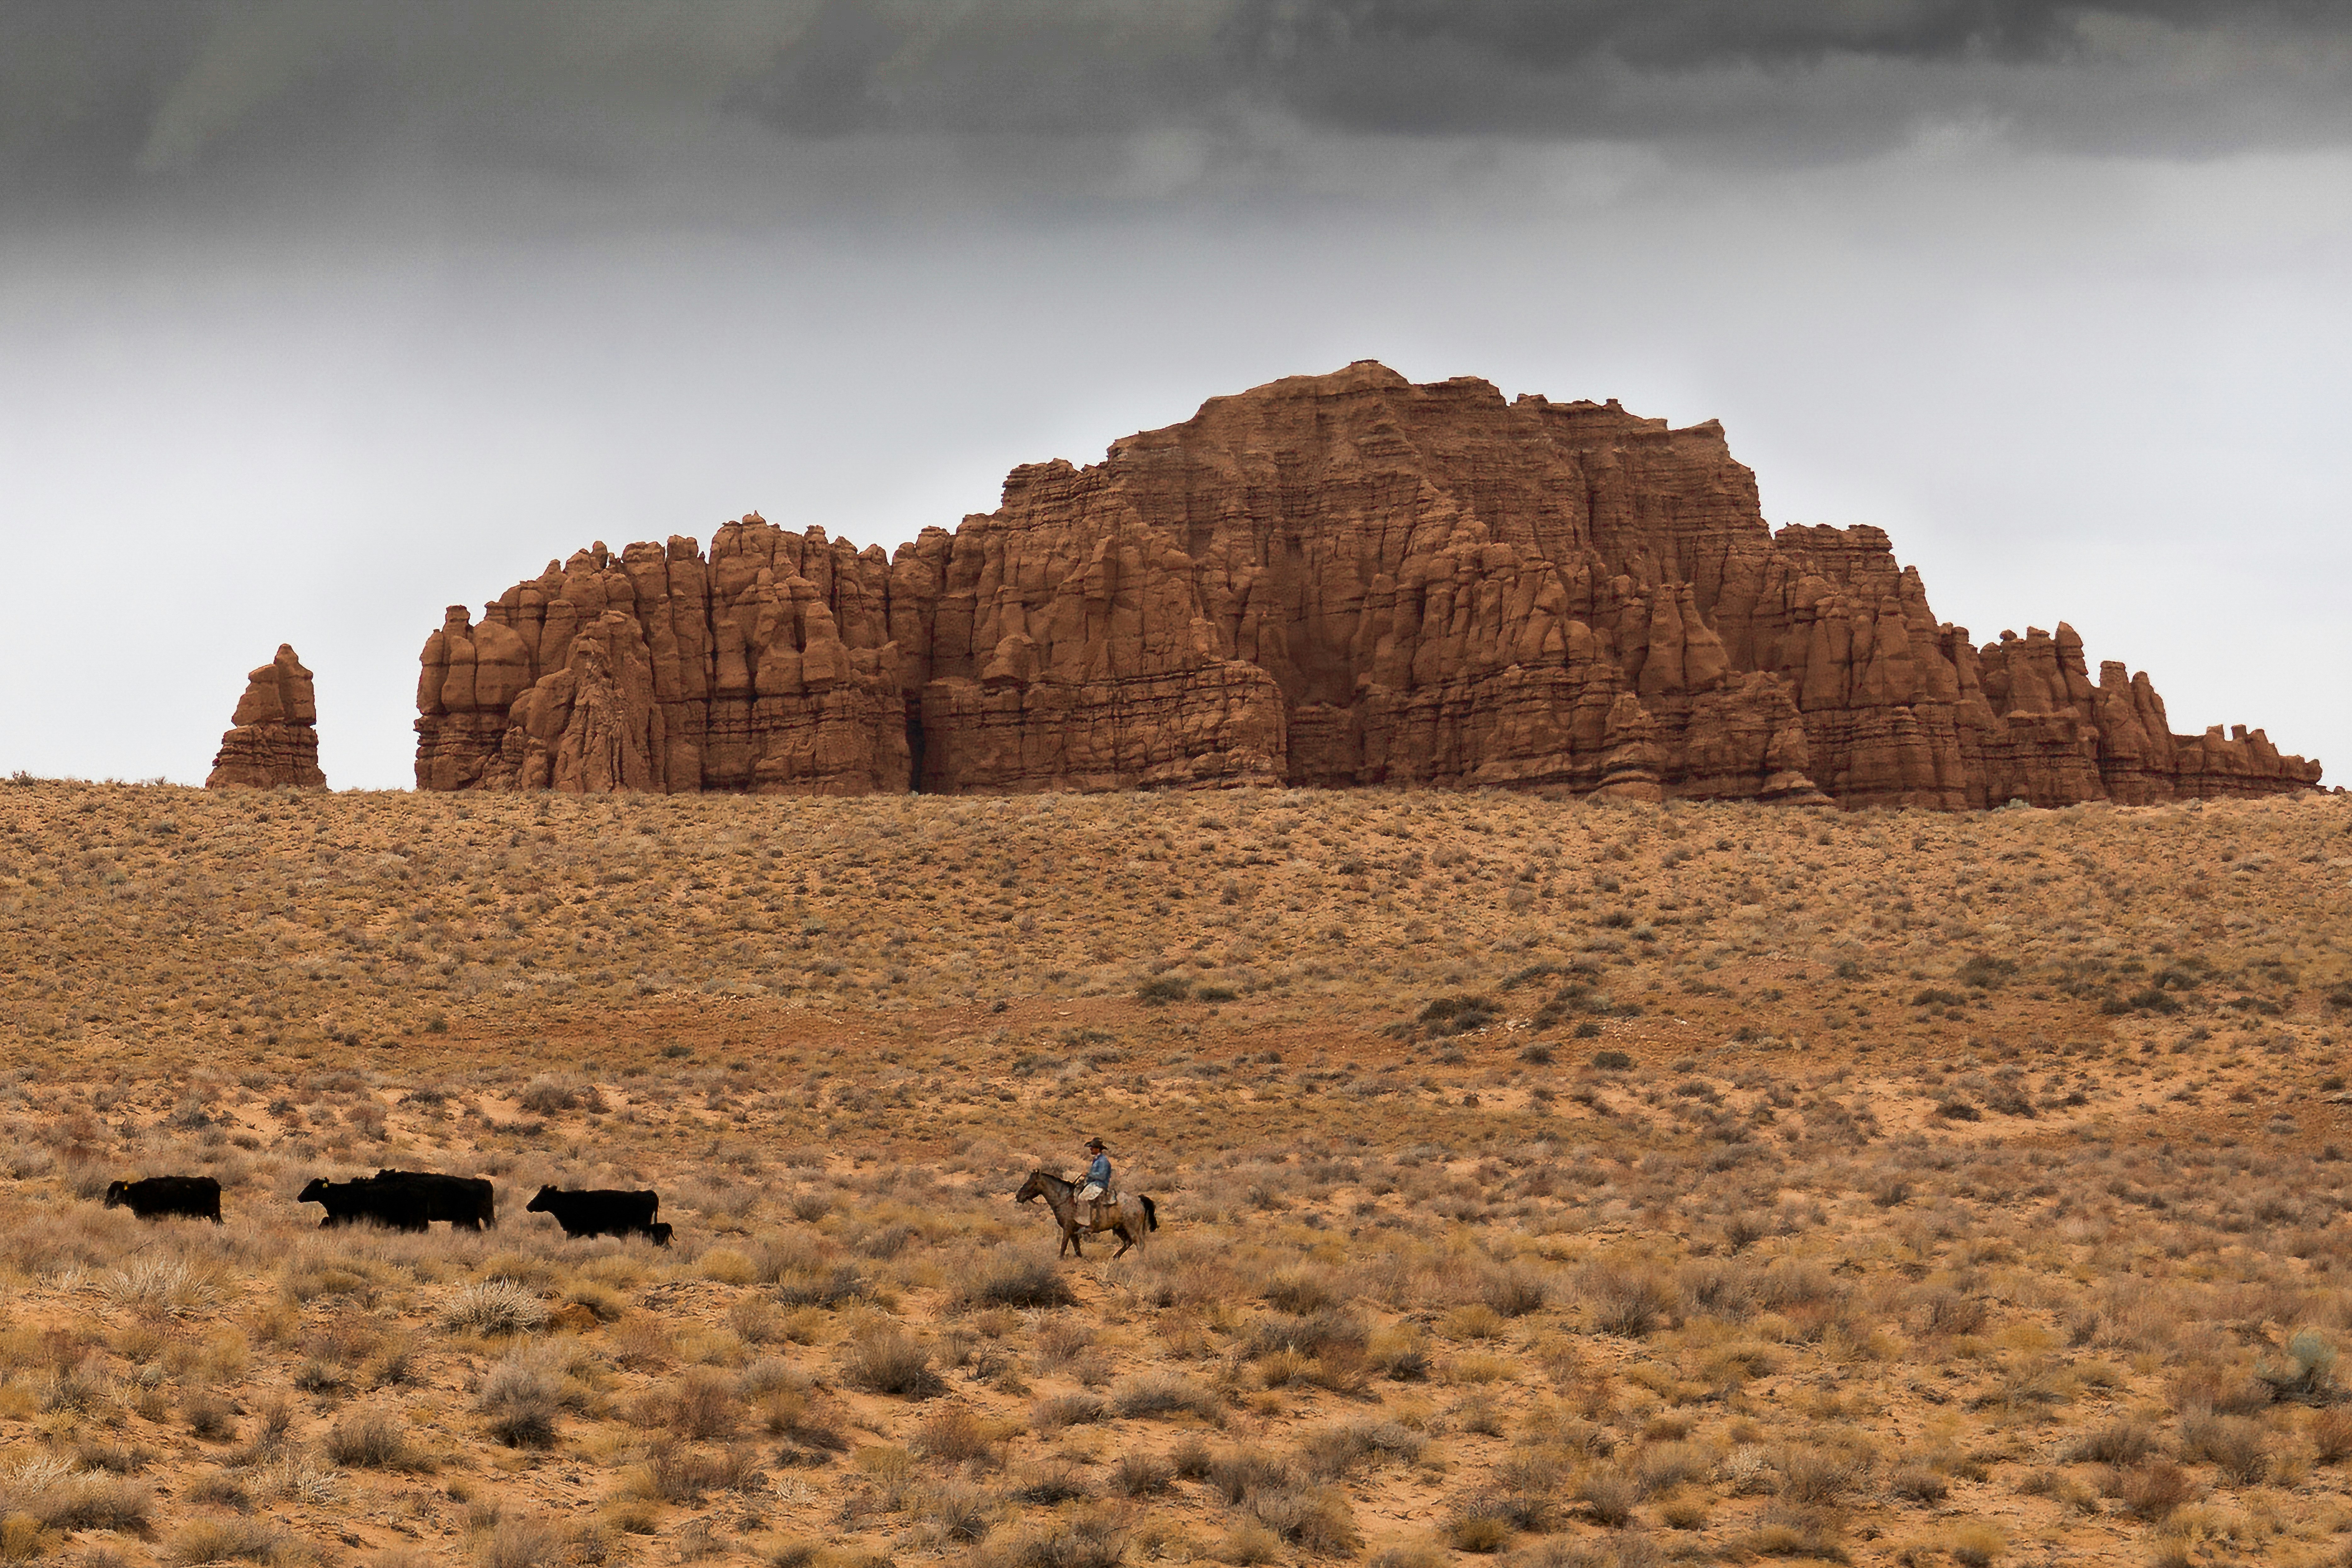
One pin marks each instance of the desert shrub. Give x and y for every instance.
(953, 1511)
(228, 1540)
(1475, 1524)
(209, 1417)
(1918, 1483)
(94, 1454)
(1163, 1393)
(158, 1284)
(1460, 1014)
(1314, 1334)
(1514, 1292)
(551, 1092)
(1985, 972)
(1409, 1557)
(1249, 1545)
(888, 1241)
(2238, 1446)
(220, 1489)
(702, 1407)
(891, 1360)
(1332, 1453)
(1313, 1519)
(2331, 1436)
(1061, 1339)
(1163, 989)
(95, 1502)
(1977, 1544)
(812, 1431)
(369, 1440)
(1952, 1312)
(1066, 1410)
(493, 1307)
(1631, 1303)
(953, 1434)
(1816, 1478)
(1051, 1484)
(1785, 1531)
(1300, 1291)
(2306, 1375)
(522, 1397)
(2121, 1442)
(1087, 1541)
(2155, 1491)
(1012, 1278)
(1141, 1475)
(1234, 1473)
(843, 1284)
(517, 1541)
(1608, 1498)
(1661, 1467)
(1399, 1352)
(1527, 1490)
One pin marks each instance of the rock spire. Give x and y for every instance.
(275, 738)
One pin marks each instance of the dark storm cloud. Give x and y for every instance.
(102, 99)
(2186, 74)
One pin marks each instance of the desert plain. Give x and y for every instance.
(1546, 1182)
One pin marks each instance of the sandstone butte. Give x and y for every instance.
(274, 735)
(1333, 580)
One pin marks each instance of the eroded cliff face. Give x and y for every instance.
(273, 738)
(1334, 580)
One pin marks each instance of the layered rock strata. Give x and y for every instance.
(1335, 580)
(273, 734)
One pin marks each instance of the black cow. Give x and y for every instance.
(196, 1197)
(604, 1211)
(391, 1206)
(466, 1201)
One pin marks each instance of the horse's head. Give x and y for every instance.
(1034, 1187)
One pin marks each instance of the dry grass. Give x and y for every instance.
(1575, 1185)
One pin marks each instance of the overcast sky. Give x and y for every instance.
(318, 317)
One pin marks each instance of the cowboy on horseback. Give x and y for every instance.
(1130, 1215)
(1095, 1191)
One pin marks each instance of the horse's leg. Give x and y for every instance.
(1125, 1241)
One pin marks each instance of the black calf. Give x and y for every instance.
(603, 1211)
(194, 1197)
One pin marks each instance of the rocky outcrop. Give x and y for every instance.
(274, 738)
(1335, 580)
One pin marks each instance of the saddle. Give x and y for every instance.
(1104, 1209)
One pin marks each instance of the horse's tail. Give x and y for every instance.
(1150, 1211)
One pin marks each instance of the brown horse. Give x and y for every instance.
(1130, 1215)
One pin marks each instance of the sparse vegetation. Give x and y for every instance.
(1827, 1144)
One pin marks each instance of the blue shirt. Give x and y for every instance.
(1099, 1172)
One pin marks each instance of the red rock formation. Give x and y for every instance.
(275, 737)
(1330, 580)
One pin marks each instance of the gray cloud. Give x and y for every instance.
(118, 100)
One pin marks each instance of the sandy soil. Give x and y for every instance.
(1576, 1184)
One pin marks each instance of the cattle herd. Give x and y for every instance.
(409, 1200)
